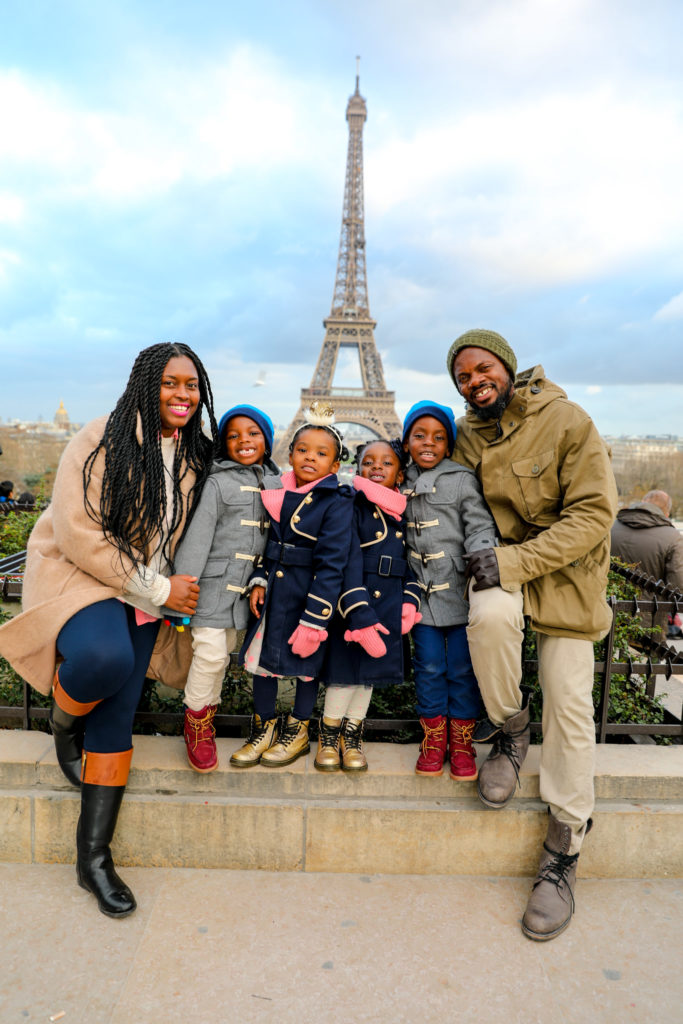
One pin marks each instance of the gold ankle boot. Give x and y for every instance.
(352, 757)
(327, 758)
(262, 735)
(292, 743)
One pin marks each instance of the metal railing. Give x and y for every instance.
(659, 660)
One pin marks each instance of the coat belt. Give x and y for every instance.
(288, 554)
(385, 565)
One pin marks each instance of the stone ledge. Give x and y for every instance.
(297, 819)
(160, 767)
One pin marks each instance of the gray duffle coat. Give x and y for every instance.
(446, 517)
(226, 540)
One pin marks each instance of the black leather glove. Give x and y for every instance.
(483, 566)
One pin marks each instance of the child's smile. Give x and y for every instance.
(244, 441)
(380, 464)
(427, 442)
(314, 456)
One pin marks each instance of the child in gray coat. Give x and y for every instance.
(223, 544)
(446, 517)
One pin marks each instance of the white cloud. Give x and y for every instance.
(671, 310)
(538, 191)
(185, 123)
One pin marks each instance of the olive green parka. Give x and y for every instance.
(547, 478)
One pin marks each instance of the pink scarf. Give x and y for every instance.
(389, 500)
(272, 499)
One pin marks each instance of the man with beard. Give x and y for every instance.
(546, 475)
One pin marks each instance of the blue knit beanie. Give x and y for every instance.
(262, 421)
(443, 413)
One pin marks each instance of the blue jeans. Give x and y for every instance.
(106, 656)
(444, 677)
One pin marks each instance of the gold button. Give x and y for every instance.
(308, 499)
(326, 611)
(296, 519)
(378, 534)
(279, 574)
(377, 593)
(375, 515)
(399, 533)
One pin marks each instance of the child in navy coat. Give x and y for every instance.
(294, 593)
(379, 603)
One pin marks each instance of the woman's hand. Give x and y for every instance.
(184, 594)
(256, 599)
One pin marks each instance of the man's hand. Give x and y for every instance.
(482, 566)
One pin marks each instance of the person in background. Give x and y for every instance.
(644, 535)
(6, 496)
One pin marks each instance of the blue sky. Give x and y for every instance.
(175, 172)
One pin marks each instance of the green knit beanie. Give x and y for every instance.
(479, 338)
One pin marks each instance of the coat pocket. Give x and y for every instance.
(539, 487)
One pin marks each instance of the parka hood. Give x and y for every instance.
(643, 516)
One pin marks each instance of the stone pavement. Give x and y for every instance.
(249, 947)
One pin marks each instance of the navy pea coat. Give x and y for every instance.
(377, 582)
(303, 566)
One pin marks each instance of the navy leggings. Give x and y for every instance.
(106, 656)
(265, 695)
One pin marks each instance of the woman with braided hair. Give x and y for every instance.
(99, 568)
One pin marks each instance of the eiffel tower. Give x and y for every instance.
(349, 324)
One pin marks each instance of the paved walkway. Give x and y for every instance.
(233, 947)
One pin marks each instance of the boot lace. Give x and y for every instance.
(462, 736)
(435, 734)
(330, 735)
(203, 728)
(556, 871)
(257, 732)
(289, 733)
(504, 743)
(353, 735)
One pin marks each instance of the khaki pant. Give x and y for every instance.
(212, 649)
(495, 632)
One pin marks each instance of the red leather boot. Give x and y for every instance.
(200, 738)
(433, 746)
(463, 764)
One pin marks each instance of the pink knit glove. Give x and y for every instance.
(369, 639)
(305, 640)
(409, 616)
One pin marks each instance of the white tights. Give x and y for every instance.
(347, 702)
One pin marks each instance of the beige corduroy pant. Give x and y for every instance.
(211, 653)
(495, 632)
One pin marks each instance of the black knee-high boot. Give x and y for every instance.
(102, 789)
(67, 725)
(68, 735)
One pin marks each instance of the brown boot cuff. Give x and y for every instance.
(106, 769)
(67, 703)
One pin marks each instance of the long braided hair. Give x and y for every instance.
(132, 508)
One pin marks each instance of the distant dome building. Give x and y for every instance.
(61, 420)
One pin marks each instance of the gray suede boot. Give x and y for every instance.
(551, 903)
(499, 774)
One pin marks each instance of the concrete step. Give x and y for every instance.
(387, 820)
